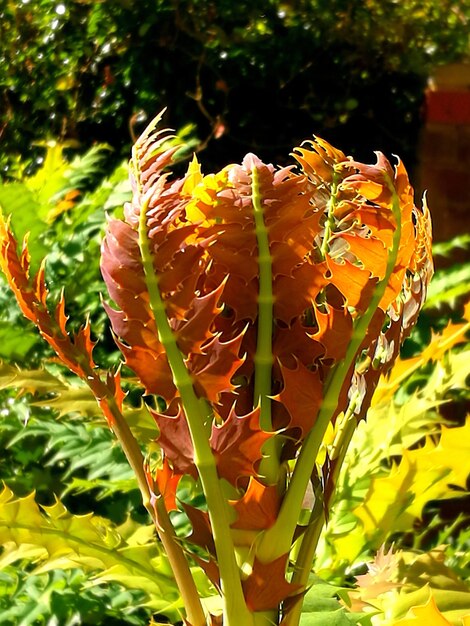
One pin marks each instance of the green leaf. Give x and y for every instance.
(15, 342)
(74, 399)
(33, 381)
(70, 398)
(81, 446)
(445, 248)
(327, 618)
(64, 598)
(448, 285)
(321, 606)
(64, 541)
(26, 217)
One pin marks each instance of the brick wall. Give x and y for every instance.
(444, 154)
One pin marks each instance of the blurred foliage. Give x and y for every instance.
(252, 75)
(405, 485)
(450, 284)
(62, 210)
(59, 597)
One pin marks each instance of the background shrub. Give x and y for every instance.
(255, 75)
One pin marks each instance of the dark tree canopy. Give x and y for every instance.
(252, 75)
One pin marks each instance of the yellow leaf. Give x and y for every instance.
(453, 451)
(386, 502)
(55, 538)
(424, 615)
(440, 345)
(193, 177)
(393, 502)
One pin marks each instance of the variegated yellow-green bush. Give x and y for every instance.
(404, 464)
(259, 306)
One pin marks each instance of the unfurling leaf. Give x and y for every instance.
(238, 299)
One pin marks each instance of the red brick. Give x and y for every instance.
(439, 144)
(453, 184)
(448, 107)
(463, 145)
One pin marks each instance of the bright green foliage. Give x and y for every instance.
(66, 397)
(451, 284)
(81, 444)
(38, 200)
(403, 462)
(63, 209)
(323, 607)
(60, 596)
(53, 538)
(16, 342)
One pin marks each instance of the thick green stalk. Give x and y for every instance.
(306, 553)
(235, 610)
(330, 214)
(336, 455)
(269, 467)
(154, 504)
(277, 540)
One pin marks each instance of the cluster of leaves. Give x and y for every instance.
(60, 597)
(120, 550)
(406, 484)
(334, 267)
(62, 208)
(398, 417)
(87, 70)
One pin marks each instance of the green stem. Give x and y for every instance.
(152, 501)
(310, 539)
(277, 540)
(269, 467)
(235, 609)
(303, 563)
(154, 504)
(330, 213)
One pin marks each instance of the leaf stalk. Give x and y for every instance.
(269, 466)
(277, 540)
(235, 609)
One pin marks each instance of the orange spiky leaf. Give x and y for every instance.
(237, 445)
(261, 596)
(258, 507)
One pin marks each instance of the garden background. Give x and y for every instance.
(79, 80)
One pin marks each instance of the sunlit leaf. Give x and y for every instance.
(66, 541)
